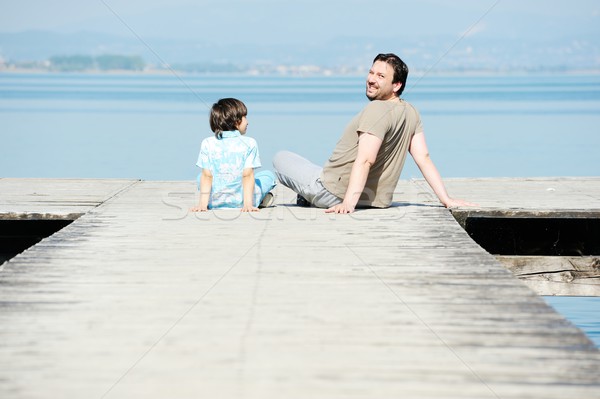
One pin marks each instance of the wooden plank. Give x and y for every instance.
(554, 194)
(55, 198)
(556, 198)
(557, 275)
(138, 297)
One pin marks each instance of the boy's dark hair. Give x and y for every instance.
(226, 114)
(400, 68)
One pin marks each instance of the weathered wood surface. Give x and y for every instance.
(138, 298)
(55, 198)
(565, 197)
(557, 275)
(518, 196)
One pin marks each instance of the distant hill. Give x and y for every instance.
(421, 53)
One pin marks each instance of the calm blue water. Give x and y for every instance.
(150, 127)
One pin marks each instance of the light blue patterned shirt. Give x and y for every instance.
(226, 158)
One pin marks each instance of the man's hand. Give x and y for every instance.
(340, 208)
(455, 202)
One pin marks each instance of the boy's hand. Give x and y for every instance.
(249, 208)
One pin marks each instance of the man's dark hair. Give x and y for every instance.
(400, 69)
(226, 114)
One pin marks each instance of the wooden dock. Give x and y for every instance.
(139, 298)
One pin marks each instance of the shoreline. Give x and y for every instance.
(323, 73)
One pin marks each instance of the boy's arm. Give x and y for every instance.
(205, 188)
(248, 190)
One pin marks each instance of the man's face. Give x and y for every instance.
(379, 82)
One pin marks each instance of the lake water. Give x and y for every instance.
(150, 127)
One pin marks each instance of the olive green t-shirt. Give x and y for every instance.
(395, 123)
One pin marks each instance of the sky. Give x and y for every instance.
(271, 21)
(263, 24)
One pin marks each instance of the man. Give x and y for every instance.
(365, 166)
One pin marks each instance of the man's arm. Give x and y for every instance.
(368, 147)
(418, 150)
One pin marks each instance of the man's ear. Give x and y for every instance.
(396, 87)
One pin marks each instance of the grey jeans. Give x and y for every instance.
(303, 177)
